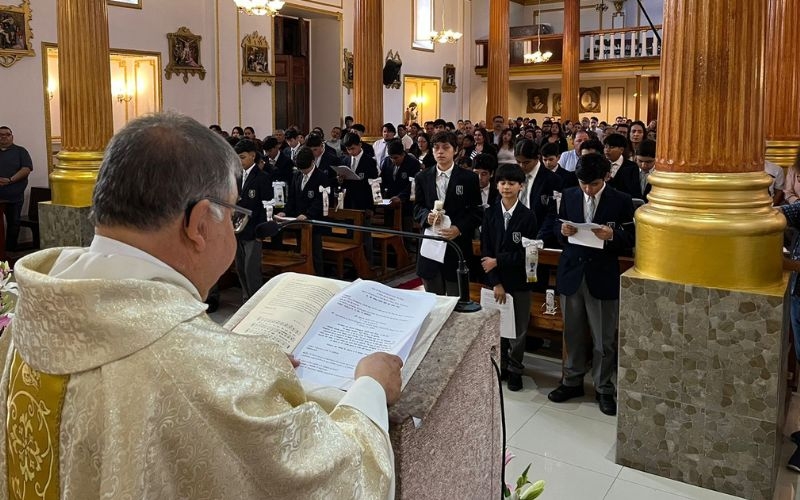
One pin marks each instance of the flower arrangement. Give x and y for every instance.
(8, 294)
(524, 490)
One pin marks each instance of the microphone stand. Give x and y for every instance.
(465, 305)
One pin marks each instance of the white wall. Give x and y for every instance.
(325, 73)
(397, 35)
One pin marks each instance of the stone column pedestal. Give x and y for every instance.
(701, 386)
(61, 226)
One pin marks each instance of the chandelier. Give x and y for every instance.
(445, 36)
(259, 7)
(538, 56)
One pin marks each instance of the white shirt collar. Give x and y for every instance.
(109, 246)
(447, 172)
(246, 172)
(596, 196)
(509, 211)
(532, 174)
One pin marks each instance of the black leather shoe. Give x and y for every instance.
(565, 393)
(608, 404)
(514, 382)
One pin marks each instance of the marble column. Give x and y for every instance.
(368, 66)
(497, 81)
(570, 59)
(782, 114)
(702, 348)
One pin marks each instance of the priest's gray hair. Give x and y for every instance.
(156, 167)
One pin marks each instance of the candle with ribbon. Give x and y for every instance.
(326, 193)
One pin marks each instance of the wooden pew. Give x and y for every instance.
(342, 244)
(295, 257)
(31, 219)
(384, 241)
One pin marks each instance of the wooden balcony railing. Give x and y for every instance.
(627, 43)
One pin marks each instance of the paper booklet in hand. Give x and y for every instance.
(329, 325)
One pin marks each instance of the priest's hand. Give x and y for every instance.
(385, 369)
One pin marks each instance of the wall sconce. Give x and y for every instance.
(124, 97)
(121, 92)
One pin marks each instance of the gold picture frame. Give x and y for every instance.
(256, 60)
(589, 101)
(347, 70)
(184, 55)
(16, 35)
(449, 78)
(131, 4)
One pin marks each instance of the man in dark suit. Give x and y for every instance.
(255, 187)
(540, 183)
(293, 141)
(549, 155)
(361, 130)
(358, 193)
(458, 188)
(588, 280)
(614, 146)
(279, 166)
(323, 160)
(397, 171)
(484, 166)
(632, 176)
(305, 199)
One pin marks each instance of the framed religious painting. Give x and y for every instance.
(589, 100)
(557, 104)
(449, 78)
(255, 60)
(184, 55)
(16, 35)
(537, 101)
(347, 70)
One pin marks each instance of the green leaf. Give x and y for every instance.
(523, 479)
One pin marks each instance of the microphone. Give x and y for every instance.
(271, 228)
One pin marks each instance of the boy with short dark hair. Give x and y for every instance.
(588, 280)
(503, 260)
(459, 191)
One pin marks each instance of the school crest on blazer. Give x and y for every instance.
(516, 236)
(251, 193)
(460, 190)
(310, 194)
(404, 176)
(545, 199)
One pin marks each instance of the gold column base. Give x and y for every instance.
(74, 176)
(782, 153)
(711, 229)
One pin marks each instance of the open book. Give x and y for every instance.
(330, 325)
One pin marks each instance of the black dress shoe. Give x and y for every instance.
(565, 393)
(608, 404)
(514, 382)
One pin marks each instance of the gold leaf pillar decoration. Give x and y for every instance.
(709, 219)
(85, 96)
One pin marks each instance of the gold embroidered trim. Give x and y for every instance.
(33, 428)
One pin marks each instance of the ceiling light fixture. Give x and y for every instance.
(445, 36)
(259, 7)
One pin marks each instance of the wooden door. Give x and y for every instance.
(292, 94)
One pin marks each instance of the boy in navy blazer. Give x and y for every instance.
(305, 199)
(588, 280)
(459, 190)
(503, 260)
(255, 187)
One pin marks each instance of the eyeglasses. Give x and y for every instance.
(239, 217)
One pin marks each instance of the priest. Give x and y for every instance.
(116, 384)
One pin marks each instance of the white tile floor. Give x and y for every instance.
(571, 446)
